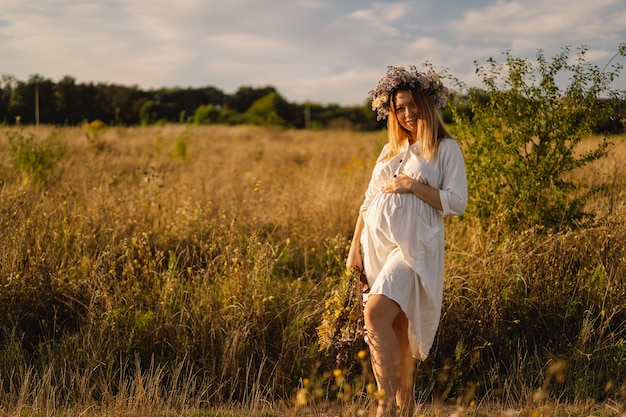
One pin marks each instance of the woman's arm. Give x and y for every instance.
(454, 188)
(354, 256)
(451, 199)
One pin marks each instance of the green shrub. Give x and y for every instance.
(522, 133)
(36, 160)
(147, 113)
(266, 111)
(205, 114)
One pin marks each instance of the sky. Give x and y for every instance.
(324, 51)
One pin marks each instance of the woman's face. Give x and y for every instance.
(406, 110)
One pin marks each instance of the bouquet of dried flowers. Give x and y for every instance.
(342, 320)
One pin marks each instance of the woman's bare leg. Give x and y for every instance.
(380, 314)
(404, 393)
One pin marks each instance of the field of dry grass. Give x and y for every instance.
(182, 269)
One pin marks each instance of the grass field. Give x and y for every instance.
(181, 270)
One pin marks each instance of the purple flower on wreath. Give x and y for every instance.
(399, 78)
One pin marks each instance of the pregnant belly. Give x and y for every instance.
(386, 209)
(407, 222)
(393, 213)
(388, 203)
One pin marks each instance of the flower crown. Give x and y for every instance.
(398, 78)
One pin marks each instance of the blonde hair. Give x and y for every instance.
(430, 127)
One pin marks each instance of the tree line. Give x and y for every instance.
(68, 102)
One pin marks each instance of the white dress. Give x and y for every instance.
(403, 236)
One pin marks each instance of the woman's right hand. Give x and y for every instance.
(354, 258)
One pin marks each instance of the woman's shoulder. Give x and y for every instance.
(448, 141)
(449, 144)
(449, 149)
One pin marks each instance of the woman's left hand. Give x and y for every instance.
(403, 184)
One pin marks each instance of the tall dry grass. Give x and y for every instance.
(172, 269)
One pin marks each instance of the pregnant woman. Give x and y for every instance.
(399, 235)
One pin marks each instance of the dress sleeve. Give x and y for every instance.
(453, 190)
(370, 193)
(372, 188)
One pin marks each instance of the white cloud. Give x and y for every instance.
(524, 27)
(312, 4)
(251, 45)
(321, 50)
(381, 18)
(535, 22)
(352, 85)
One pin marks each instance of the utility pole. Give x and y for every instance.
(307, 115)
